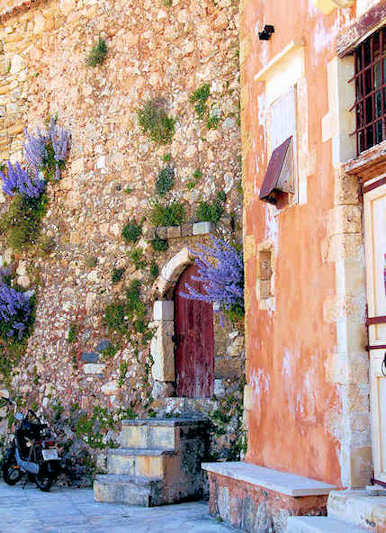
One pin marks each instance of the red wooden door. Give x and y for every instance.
(195, 341)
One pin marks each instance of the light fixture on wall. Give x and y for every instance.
(267, 32)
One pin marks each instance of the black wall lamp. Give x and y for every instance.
(265, 35)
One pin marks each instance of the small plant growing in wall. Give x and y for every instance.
(172, 214)
(73, 333)
(154, 270)
(199, 98)
(159, 245)
(117, 275)
(98, 53)
(197, 175)
(164, 181)
(211, 211)
(127, 313)
(136, 255)
(155, 122)
(132, 232)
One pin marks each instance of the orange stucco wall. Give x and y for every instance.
(293, 404)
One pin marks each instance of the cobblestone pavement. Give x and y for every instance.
(74, 511)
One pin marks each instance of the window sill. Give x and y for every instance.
(368, 164)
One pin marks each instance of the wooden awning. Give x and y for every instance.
(278, 176)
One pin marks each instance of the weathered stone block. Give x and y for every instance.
(162, 232)
(347, 189)
(186, 230)
(202, 228)
(163, 310)
(94, 368)
(344, 219)
(174, 232)
(228, 367)
(110, 388)
(345, 245)
(90, 357)
(162, 351)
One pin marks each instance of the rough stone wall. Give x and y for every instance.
(155, 50)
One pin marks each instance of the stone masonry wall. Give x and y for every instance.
(156, 49)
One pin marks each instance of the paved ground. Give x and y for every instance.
(74, 511)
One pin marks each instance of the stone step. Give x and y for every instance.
(155, 433)
(140, 462)
(356, 507)
(132, 490)
(317, 524)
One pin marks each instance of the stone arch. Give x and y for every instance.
(170, 273)
(162, 346)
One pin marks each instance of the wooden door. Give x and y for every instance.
(375, 241)
(195, 341)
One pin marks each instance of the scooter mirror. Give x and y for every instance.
(19, 416)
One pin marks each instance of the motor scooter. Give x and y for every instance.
(32, 453)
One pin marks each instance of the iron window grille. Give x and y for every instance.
(370, 91)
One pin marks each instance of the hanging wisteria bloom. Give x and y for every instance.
(15, 312)
(47, 151)
(18, 180)
(35, 148)
(221, 271)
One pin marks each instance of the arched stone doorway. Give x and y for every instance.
(193, 375)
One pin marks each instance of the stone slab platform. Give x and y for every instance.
(283, 482)
(255, 498)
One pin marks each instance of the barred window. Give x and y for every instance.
(370, 89)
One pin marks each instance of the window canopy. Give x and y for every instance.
(279, 174)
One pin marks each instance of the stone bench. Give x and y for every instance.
(255, 498)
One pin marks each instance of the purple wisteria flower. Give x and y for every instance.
(35, 148)
(18, 180)
(39, 147)
(60, 139)
(221, 271)
(15, 312)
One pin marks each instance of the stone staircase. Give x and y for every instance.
(349, 511)
(159, 462)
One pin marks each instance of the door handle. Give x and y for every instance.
(383, 367)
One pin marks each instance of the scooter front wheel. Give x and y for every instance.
(11, 472)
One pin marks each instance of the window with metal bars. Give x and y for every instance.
(370, 89)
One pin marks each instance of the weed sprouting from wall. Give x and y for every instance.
(98, 53)
(211, 211)
(159, 245)
(199, 98)
(155, 122)
(164, 181)
(117, 275)
(132, 232)
(172, 214)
